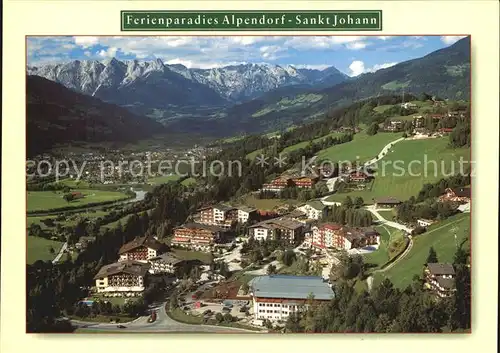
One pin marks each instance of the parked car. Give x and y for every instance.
(243, 309)
(121, 326)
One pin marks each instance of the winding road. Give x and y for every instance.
(163, 323)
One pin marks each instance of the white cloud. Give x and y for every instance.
(271, 52)
(86, 42)
(451, 39)
(384, 37)
(357, 67)
(87, 53)
(109, 53)
(356, 45)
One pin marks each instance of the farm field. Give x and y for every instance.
(408, 166)
(45, 200)
(441, 237)
(39, 249)
(362, 148)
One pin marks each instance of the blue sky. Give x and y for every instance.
(352, 55)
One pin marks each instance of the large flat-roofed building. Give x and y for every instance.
(123, 278)
(276, 297)
(165, 263)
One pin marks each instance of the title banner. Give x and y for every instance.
(354, 20)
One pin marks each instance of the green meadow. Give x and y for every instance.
(408, 166)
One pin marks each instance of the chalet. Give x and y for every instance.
(140, 249)
(314, 209)
(197, 236)
(437, 116)
(288, 230)
(418, 121)
(244, 213)
(123, 278)
(224, 216)
(408, 105)
(394, 125)
(84, 241)
(204, 215)
(277, 185)
(440, 278)
(330, 235)
(358, 177)
(304, 182)
(165, 263)
(388, 202)
(461, 195)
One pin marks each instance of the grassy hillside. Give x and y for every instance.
(409, 165)
(362, 148)
(39, 249)
(441, 237)
(58, 115)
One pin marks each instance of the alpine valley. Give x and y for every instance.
(253, 98)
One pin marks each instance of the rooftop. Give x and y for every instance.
(317, 205)
(441, 269)
(462, 192)
(169, 258)
(290, 287)
(246, 209)
(446, 283)
(201, 226)
(146, 241)
(388, 200)
(128, 266)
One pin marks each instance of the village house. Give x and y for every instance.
(387, 202)
(440, 278)
(460, 195)
(325, 236)
(304, 182)
(165, 263)
(408, 105)
(330, 235)
(314, 209)
(84, 241)
(394, 126)
(123, 278)
(418, 121)
(445, 130)
(358, 177)
(424, 222)
(276, 297)
(277, 185)
(140, 249)
(197, 236)
(287, 230)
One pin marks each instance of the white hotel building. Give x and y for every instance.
(276, 297)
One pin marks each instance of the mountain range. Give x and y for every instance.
(156, 85)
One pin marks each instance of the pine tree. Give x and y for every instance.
(432, 257)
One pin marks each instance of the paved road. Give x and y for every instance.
(163, 323)
(384, 221)
(61, 252)
(383, 152)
